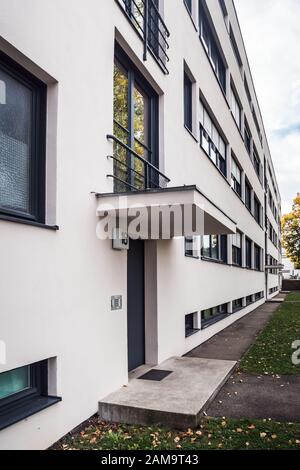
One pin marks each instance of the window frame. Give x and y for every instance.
(248, 186)
(235, 184)
(235, 103)
(188, 102)
(248, 256)
(25, 403)
(257, 257)
(37, 157)
(221, 313)
(190, 331)
(222, 248)
(237, 252)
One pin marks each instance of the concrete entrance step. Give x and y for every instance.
(176, 401)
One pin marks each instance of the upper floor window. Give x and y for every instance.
(257, 210)
(210, 45)
(248, 137)
(22, 143)
(235, 108)
(248, 195)
(215, 247)
(223, 8)
(236, 177)
(188, 102)
(189, 5)
(248, 260)
(211, 140)
(235, 48)
(237, 249)
(247, 90)
(256, 162)
(257, 258)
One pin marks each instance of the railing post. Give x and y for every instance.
(146, 16)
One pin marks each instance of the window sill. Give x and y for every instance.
(192, 256)
(11, 218)
(191, 16)
(212, 260)
(191, 133)
(25, 408)
(192, 332)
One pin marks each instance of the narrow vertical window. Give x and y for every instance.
(188, 102)
(22, 143)
(236, 177)
(237, 249)
(235, 108)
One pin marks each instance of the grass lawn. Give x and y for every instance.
(272, 351)
(212, 434)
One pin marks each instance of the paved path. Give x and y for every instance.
(246, 395)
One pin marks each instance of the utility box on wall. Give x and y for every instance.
(120, 240)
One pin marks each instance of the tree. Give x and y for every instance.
(291, 233)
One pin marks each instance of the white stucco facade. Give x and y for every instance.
(56, 285)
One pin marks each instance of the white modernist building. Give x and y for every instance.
(106, 105)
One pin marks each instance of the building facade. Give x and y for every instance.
(152, 101)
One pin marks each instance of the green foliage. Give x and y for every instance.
(272, 351)
(291, 233)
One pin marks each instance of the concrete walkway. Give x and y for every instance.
(246, 395)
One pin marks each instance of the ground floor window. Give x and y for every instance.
(249, 299)
(237, 249)
(212, 315)
(258, 296)
(237, 305)
(191, 245)
(24, 392)
(191, 324)
(214, 247)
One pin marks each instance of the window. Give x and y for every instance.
(235, 48)
(188, 4)
(273, 290)
(248, 137)
(237, 249)
(248, 260)
(212, 315)
(248, 195)
(256, 162)
(249, 299)
(237, 305)
(258, 296)
(257, 258)
(211, 140)
(191, 324)
(135, 125)
(214, 247)
(257, 210)
(22, 143)
(188, 102)
(191, 247)
(223, 8)
(235, 108)
(247, 90)
(210, 45)
(23, 392)
(236, 177)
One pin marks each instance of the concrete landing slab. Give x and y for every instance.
(176, 401)
(275, 301)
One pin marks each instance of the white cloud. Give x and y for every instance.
(271, 31)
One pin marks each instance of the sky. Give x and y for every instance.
(271, 32)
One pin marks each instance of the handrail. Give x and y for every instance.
(133, 152)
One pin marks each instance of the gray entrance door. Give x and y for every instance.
(136, 304)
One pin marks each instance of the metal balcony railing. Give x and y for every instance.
(132, 172)
(146, 19)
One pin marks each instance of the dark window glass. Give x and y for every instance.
(248, 253)
(215, 247)
(248, 196)
(236, 177)
(249, 299)
(22, 142)
(257, 210)
(256, 163)
(211, 47)
(257, 257)
(188, 5)
(237, 305)
(235, 48)
(188, 109)
(237, 249)
(247, 90)
(190, 324)
(248, 138)
(191, 247)
(212, 315)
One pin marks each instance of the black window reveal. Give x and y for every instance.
(257, 210)
(22, 142)
(248, 195)
(257, 258)
(24, 392)
(248, 137)
(212, 315)
(188, 102)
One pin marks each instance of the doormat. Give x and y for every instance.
(156, 375)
